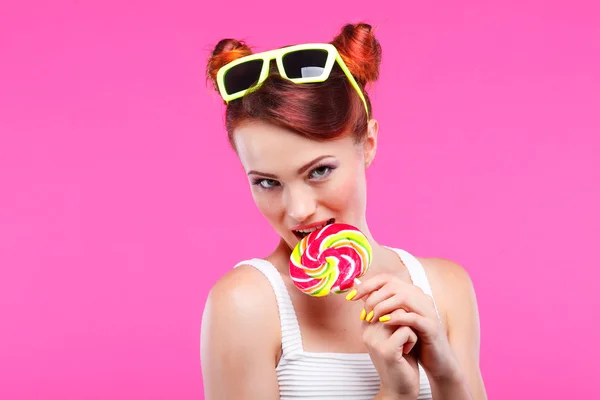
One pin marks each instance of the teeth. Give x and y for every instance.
(312, 229)
(305, 232)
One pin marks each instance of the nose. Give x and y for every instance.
(300, 203)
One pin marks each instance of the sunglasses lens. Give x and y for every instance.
(242, 76)
(305, 63)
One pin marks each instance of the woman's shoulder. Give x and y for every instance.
(446, 274)
(242, 292)
(239, 329)
(241, 308)
(451, 285)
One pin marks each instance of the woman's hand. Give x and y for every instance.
(398, 306)
(389, 347)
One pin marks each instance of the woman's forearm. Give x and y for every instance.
(450, 389)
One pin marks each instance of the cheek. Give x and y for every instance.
(344, 192)
(267, 203)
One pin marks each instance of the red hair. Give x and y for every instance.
(320, 111)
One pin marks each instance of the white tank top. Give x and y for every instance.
(310, 375)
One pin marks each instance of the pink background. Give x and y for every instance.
(121, 203)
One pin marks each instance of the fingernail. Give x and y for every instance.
(351, 295)
(363, 313)
(384, 318)
(370, 316)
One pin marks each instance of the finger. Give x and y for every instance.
(411, 342)
(387, 339)
(422, 325)
(386, 306)
(392, 300)
(412, 292)
(377, 297)
(368, 286)
(376, 333)
(413, 299)
(404, 338)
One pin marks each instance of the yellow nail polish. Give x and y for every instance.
(384, 318)
(351, 295)
(363, 314)
(370, 316)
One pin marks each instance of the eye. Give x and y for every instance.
(265, 183)
(321, 172)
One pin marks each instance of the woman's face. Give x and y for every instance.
(300, 184)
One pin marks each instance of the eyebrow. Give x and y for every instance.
(301, 170)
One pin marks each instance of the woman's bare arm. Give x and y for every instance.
(240, 338)
(453, 285)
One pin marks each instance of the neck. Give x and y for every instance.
(379, 251)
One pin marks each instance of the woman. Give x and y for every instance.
(299, 119)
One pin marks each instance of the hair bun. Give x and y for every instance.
(360, 50)
(226, 51)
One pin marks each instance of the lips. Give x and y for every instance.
(302, 231)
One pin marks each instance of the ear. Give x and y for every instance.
(370, 142)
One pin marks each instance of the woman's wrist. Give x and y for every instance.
(446, 373)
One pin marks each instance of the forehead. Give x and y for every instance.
(267, 147)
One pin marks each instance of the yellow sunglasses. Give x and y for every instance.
(303, 63)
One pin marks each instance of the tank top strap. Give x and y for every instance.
(417, 273)
(291, 339)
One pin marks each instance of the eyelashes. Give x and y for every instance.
(318, 173)
(268, 183)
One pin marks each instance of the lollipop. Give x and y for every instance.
(330, 259)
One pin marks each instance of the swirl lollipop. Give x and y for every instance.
(330, 259)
